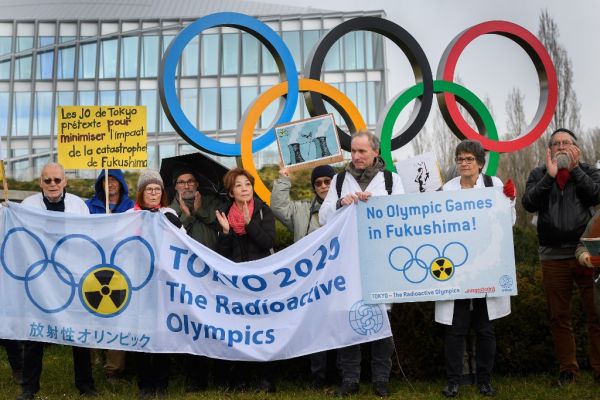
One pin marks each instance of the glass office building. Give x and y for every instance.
(83, 53)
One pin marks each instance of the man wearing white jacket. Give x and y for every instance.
(54, 198)
(363, 178)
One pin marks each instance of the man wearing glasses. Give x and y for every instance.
(563, 193)
(197, 214)
(54, 198)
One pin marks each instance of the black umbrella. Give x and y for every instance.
(208, 172)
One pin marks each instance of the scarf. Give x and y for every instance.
(55, 205)
(137, 207)
(236, 217)
(365, 176)
(562, 177)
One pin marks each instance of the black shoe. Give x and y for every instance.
(88, 391)
(381, 389)
(451, 390)
(347, 389)
(26, 396)
(565, 378)
(266, 386)
(486, 390)
(317, 383)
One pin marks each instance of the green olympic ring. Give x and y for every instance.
(466, 98)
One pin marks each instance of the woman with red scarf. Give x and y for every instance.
(248, 233)
(153, 368)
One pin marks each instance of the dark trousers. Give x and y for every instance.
(14, 353)
(153, 371)
(470, 313)
(32, 367)
(559, 277)
(196, 371)
(318, 365)
(381, 361)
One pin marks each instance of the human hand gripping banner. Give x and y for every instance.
(133, 282)
(436, 246)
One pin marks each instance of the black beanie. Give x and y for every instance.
(319, 172)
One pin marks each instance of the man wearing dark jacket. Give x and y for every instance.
(563, 193)
(118, 202)
(118, 194)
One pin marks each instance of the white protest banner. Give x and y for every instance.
(133, 282)
(436, 246)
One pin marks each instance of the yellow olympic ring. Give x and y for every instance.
(252, 115)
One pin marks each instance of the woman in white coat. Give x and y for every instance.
(460, 315)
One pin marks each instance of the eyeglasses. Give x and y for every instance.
(186, 183)
(151, 190)
(321, 182)
(468, 160)
(561, 142)
(48, 181)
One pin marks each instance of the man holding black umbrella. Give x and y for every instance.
(197, 214)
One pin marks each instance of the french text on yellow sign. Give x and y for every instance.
(99, 137)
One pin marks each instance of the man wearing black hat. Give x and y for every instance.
(302, 218)
(562, 193)
(197, 214)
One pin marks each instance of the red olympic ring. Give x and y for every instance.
(543, 65)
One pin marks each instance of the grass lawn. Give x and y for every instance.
(57, 383)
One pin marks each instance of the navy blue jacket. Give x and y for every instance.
(97, 203)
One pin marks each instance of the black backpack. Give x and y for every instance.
(387, 176)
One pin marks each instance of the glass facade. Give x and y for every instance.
(220, 73)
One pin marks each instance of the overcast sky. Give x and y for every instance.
(491, 66)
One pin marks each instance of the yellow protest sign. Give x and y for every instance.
(99, 137)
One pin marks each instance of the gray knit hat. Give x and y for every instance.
(148, 176)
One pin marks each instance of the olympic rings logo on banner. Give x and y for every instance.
(448, 93)
(104, 289)
(429, 261)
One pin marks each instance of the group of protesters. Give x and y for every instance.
(241, 227)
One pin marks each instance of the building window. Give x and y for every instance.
(268, 62)
(86, 98)
(21, 108)
(189, 58)
(250, 46)
(148, 99)
(189, 104)
(229, 111)
(107, 98)
(210, 50)
(66, 63)
(4, 96)
(108, 59)
(208, 109)
(42, 116)
(5, 70)
(309, 40)
(129, 57)
(23, 68)
(127, 98)
(45, 62)
(150, 59)
(267, 118)
(5, 45)
(87, 61)
(333, 59)
(230, 59)
(292, 40)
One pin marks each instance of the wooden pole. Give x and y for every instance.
(4, 182)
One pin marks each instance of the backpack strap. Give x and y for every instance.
(389, 181)
(339, 181)
(487, 181)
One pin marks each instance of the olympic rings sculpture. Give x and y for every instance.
(40, 263)
(447, 92)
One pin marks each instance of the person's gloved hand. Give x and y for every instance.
(509, 189)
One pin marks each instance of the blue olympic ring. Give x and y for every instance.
(168, 68)
(456, 265)
(75, 236)
(145, 243)
(28, 279)
(406, 264)
(3, 248)
(92, 269)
